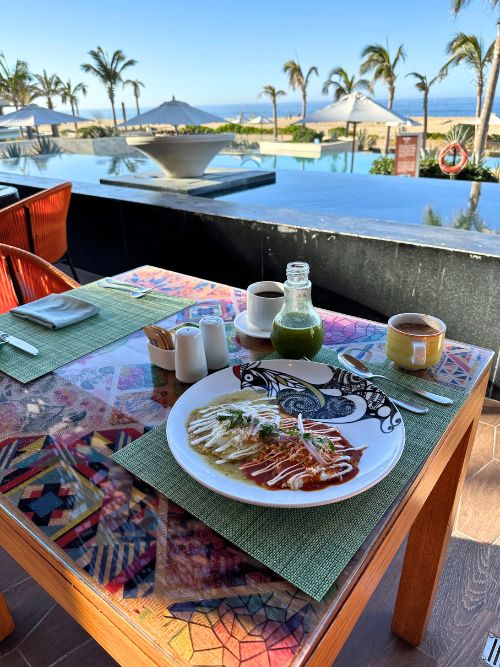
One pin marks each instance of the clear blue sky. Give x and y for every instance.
(221, 52)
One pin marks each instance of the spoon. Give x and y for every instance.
(359, 368)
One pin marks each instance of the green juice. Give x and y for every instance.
(297, 335)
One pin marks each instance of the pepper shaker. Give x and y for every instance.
(213, 333)
(190, 360)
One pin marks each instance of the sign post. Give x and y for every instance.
(407, 159)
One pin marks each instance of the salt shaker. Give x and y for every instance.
(190, 360)
(213, 333)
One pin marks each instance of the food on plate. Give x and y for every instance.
(245, 435)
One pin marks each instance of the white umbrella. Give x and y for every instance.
(494, 120)
(33, 116)
(236, 121)
(173, 113)
(355, 108)
(260, 120)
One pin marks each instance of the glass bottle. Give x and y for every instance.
(297, 329)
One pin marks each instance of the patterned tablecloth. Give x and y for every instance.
(183, 584)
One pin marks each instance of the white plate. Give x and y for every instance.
(363, 413)
(242, 325)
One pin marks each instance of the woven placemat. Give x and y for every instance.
(119, 316)
(309, 547)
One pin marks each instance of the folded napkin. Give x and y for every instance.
(56, 310)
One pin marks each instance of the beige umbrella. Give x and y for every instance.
(355, 108)
(173, 113)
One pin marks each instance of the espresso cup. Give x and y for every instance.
(415, 348)
(261, 310)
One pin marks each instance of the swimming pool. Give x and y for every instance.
(322, 185)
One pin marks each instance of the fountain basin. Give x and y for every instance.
(181, 155)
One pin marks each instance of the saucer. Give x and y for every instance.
(242, 325)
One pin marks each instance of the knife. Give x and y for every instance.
(17, 342)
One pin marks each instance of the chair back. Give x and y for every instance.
(38, 223)
(25, 277)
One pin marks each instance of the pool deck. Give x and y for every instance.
(216, 180)
(309, 149)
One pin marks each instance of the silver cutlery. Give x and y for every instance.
(115, 281)
(19, 343)
(359, 368)
(135, 293)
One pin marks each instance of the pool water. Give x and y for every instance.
(322, 185)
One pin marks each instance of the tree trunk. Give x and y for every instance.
(55, 128)
(113, 110)
(479, 98)
(74, 114)
(388, 131)
(482, 131)
(304, 103)
(426, 111)
(137, 105)
(275, 120)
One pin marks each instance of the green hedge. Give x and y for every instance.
(429, 168)
(243, 129)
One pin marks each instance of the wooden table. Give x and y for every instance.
(152, 584)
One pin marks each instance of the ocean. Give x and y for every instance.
(438, 106)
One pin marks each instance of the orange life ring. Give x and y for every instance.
(453, 168)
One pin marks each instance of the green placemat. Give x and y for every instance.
(120, 315)
(309, 547)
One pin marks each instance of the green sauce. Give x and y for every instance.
(296, 335)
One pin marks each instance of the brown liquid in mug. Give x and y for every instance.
(269, 295)
(416, 328)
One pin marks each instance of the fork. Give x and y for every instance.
(129, 289)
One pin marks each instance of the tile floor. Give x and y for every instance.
(467, 605)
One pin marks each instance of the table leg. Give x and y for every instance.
(7, 624)
(427, 546)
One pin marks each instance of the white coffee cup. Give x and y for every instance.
(261, 310)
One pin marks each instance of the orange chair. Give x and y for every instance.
(25, 277)
(38, 224)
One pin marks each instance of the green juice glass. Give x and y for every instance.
(297, 329)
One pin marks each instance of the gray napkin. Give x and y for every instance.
(56, 310)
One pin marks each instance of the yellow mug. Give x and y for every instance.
(415, 341)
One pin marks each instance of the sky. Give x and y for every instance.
(224, 52)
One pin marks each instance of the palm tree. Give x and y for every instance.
(48, 87)
(297, 80)
(424, 85)
(377, 60)
(484, 120)
(343, 84)
(136, 89)
(69, 94)
(273, 94)
(109, 71)
(16, 84)
(469, 50)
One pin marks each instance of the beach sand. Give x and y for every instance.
(435, 124)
